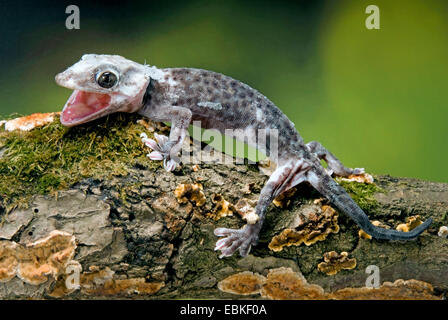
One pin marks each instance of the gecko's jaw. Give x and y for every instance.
(83, 106)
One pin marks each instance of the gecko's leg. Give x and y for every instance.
(165, 148)
(283, 178)
(334, 164)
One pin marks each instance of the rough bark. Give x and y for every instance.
(135, 239)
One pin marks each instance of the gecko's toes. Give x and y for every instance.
(161, 150)
(169, 165)
(223, 232)
(151, 144)
(161, 139)
(155, 155)
(235, 239)
(162, 144)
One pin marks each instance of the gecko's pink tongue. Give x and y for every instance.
(82, 104)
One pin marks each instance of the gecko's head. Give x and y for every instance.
(102, 84)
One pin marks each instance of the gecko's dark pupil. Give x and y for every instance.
(107, 79)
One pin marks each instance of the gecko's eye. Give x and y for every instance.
(106, 79)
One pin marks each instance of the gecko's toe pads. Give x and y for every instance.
(161, 150)
(233, 239)
(169, 165)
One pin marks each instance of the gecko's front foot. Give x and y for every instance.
(241, 239)
(161, 150)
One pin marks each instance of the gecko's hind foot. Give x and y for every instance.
(161, 150)
(241, 239)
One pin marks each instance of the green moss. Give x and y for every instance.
(362, 193)
(54, 157)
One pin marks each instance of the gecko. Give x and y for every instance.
(104, 84)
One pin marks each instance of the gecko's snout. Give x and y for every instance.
(65, 79)
(57, 78)
(60, 77)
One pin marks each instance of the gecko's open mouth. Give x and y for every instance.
(83, 105)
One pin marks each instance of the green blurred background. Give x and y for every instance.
(375, 98)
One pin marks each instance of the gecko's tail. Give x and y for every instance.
(340, 198)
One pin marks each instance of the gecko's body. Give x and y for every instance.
(105, 84)
(220, 102)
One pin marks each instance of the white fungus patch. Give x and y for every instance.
(443, 232)
(30, 122)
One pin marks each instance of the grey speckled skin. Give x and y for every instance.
(234, 105)
(183, 95)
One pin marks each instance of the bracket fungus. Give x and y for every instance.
(38, 260)
(280, 284)
(190, 192)
(361, 178)
(223, 208)
(319, 223)
(398, 290)
(30, 122)
(101, 282)
(116, 287)
(363, 235)
(244, 283)
(411, 223)
(335, 262)
(8, 260)
(284, 199)
(285, 284)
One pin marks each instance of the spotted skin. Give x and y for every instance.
(191, 88)
(183, 95)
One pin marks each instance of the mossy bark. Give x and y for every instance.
(136, 241)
